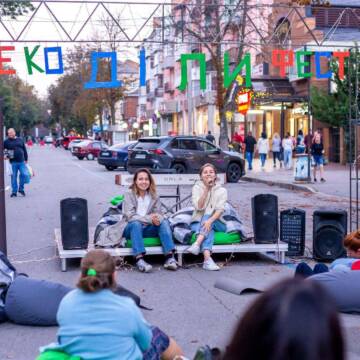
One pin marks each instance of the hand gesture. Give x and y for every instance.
(155, 219)
(207, 225)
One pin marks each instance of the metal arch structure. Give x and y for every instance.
(164, 12)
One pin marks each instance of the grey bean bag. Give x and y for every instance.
(343, 286)
(34, 302)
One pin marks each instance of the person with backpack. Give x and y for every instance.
(95, 323)
(18, 156)
(142, 211)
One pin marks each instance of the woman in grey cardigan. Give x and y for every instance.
(142, 211)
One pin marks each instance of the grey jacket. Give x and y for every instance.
(130, 206)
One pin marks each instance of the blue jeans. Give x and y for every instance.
(249, 158)
(262, 159)
(208, 242)
(287, 158)
(21, 168)
(137, 231)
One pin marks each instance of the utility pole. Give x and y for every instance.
(3, 246)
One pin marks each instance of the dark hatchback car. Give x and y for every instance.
(184, 154)
(116, 156)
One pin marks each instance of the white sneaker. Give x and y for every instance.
(210, 265)
(143, 266)
(194, 249)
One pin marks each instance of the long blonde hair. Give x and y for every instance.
(152, 187)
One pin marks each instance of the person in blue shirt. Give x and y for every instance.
(352, 245)
(96, 324)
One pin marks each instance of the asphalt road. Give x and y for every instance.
(185, 304)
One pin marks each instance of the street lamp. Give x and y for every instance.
(3, 246)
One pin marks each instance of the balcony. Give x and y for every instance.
(204, 98)
(159, 92)
(158, 69)
(169, 62)
(169, 88)
(150, 96)
(169, 107)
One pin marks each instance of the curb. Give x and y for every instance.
(284, 185)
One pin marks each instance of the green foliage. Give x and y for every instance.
(333, 108)
(15, 8)
(21, 107)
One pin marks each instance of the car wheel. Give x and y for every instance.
(90, 156)
(233, 172)
(110, 168)
(179, 168)
(80, 158)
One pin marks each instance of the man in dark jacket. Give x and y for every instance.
(250, 143)
(210, 137)
(17, 154)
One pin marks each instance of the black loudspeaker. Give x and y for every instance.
(329, 230)
(292, 230)
(74, 223)
(265, 218)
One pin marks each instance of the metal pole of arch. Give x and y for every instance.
(3, 246)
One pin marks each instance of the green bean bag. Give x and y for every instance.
(221, 238)
(56, 355)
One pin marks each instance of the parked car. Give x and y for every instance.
(116, 156)
(48, 139)
(67, 139)
(74, 143)
(88, 149)
(184, 154)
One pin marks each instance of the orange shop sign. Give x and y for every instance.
(243, 101)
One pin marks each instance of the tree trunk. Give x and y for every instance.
(100, 111)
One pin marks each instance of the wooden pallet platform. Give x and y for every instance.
(278, 249)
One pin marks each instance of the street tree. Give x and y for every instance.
(15, 8)
(211, 23)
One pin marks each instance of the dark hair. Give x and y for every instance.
(296, 320)
(263, 135)
(152, 187)
(352, 240)
(104, 266)
(207, 165)
(300, 132)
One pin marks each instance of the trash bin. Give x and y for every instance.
(302, 168)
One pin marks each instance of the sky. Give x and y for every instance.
(72, 16)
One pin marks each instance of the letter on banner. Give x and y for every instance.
(283, 59)
(341, 55)
(198, 57)
(93, 84)
(300, 64)
(142, 59)
(29, 63)
(5, 60)
(228, 79)
(57, 50)
(318, 56)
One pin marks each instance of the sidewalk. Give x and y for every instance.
(337, 178)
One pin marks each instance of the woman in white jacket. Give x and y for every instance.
(263, 148)
(209, 201)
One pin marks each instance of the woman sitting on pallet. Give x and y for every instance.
(142, 211)
(209, 201)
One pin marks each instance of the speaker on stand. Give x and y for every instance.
(329, 230)
(74, 223)
(265, 218)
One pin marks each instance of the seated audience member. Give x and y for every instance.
(209, 199)
(142, 210)
(352, 245)
(294, 320)
(96, 324)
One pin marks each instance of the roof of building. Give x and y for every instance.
(355, 3)
(342, 34)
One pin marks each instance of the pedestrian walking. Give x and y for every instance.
(276, 148)
(250, 143)
(287, 145)
(18, 156)
(317, 152)
(300, 137)
(263, 148)
(210, 137)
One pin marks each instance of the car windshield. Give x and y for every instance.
(147, 144)
(84, 143)
(122, 146)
